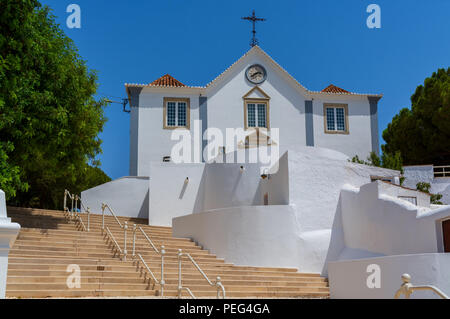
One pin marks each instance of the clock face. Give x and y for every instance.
(256, 74)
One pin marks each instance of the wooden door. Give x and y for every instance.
(446, 235)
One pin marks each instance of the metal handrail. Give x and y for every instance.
(217, 284)
(408, 288)
(104, 206)
(73, 213)
(146, 237)
(124, 227)
(111, 237)
(161, 252)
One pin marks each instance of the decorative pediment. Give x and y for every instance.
(256, 93)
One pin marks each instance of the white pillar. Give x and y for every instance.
(8, 234)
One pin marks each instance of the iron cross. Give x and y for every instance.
(254, 19)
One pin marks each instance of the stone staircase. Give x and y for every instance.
(49, 242)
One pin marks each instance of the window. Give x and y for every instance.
(256, 114)
(176, 113)
(411, 199)
(336, 118)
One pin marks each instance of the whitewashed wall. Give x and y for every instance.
(442, 186)
(210, 186)
(127, 196)
(359, 140)
(170, 195)
(422, 199)
(369, 223)
(264, 236)
(425, 173)
(311, 179)
(154, 142)
(287, 105)
(348, 279)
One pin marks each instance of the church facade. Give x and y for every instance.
(254, 92)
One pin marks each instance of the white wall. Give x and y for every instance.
(287, 105)
(263, 236)
(154, 141)
(170, 195)
(369, 223)
(359, 140)
(348, 279)
(422, 199)
(425, 173)
(227, 186)
(8, 235)
(416, 174)
(127, 196)
(311, 179)
(210, 186)
(441, 185)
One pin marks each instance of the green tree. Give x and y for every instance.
(386, 161)
(48, 115)
(422, 134)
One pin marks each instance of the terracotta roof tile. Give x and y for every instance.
(167, 80)
(334, 89)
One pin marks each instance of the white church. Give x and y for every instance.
(311, 209)
(254, 92)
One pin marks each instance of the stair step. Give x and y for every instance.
(49, 241)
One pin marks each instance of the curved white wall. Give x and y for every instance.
(348, 279)
(248, 236)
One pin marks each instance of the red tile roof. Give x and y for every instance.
(334, 89)
(167, 80)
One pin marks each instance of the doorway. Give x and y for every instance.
(446, 235)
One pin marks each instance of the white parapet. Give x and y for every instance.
(8, 234)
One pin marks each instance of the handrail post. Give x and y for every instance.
(180, 287)
(76, 204)
(89, 219)
(218, 285)
(65, 200)
(103, 216)
(125, 227)
(134, 240)
(71, 214)
(162, 282)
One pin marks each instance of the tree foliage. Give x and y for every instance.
(422, 134)
(425, 187)
(49, 119)
(386, 161)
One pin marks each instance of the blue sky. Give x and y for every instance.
(317, 41)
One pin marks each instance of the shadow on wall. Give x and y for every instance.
(143, 212)
(337, 240)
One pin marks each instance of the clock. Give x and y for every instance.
(256, 74)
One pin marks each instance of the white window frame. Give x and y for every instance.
(177, 105)
(334, 107)
(256, 114)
